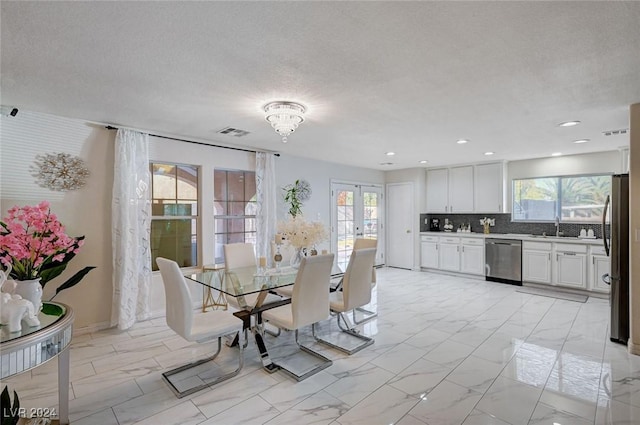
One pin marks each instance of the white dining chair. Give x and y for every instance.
(362, 243)
(356, 292)
(195, 327)
(309, 305)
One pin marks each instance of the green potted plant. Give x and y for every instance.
(295, 194)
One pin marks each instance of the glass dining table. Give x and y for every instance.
(242, 283)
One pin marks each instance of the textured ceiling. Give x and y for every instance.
(412, 77)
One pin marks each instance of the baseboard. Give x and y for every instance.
(633, 348)
(94, 327)
(450, 273)
(567, 290)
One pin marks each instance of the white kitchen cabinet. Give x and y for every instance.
(570, 265)
(571, 270)
(536, 262)
(472, 256)
(438, 190)
(461, 189)
(449, 251)
(429, 252)
(536, 266)
(488, 188)
(600, 265)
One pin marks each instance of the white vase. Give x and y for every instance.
(30, 290)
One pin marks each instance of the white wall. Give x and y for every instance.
(418, 177)
(84, 212)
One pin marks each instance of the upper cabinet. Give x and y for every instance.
(488, 189)
(461, 189)
(438, 190)
(466, 189)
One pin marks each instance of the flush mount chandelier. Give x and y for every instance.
(284, 117)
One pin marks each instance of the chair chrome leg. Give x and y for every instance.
(366, 340)
(369, 315)
(325, 362)
(270, 332)
(167, 375)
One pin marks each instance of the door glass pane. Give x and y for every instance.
(370, 221)
(345, 227)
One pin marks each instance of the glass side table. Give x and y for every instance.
(33, 346)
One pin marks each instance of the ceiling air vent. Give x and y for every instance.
(235, 132)
(615, 132)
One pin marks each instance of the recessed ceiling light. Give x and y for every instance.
(390, 153)
(581, 141)
(386, 163)
(556, 154)
(568, 123)
(462, 141)
(424, 161)
(489, 153)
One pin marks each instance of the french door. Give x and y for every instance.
(357, 212)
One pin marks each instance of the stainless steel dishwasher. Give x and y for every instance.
(503, 260)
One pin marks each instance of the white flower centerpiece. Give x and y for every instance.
(303, 235)
(486, 222)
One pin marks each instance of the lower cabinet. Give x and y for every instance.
(472, 256)
(429, 254)
(452, 253)
(536, 266)
(571, 270)
(450, 256)
(600, 265)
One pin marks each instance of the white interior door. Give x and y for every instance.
(357, 212)
(400, 225)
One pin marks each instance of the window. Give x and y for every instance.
(577, 199)
(234, 208)
(174, 210)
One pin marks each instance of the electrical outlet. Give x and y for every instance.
(426, 221)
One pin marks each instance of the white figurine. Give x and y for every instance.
(4, 280)
(13, 309)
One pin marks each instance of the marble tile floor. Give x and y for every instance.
(449, 350)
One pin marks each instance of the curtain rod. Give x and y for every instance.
(110, 127)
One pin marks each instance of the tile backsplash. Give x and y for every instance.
(505, 225)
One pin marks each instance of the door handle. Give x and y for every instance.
(606, 278)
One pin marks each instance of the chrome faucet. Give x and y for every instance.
(557, 224)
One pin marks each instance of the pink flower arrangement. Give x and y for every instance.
(34, 243)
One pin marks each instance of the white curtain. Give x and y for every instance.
(130, 222)
(266, 196)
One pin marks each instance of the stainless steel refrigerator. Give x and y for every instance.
(618, 251)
